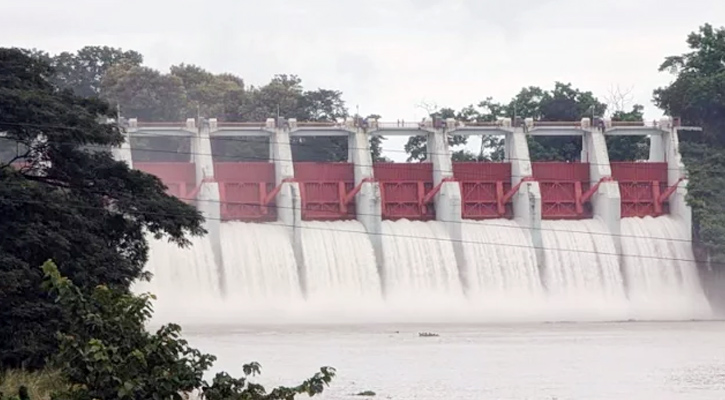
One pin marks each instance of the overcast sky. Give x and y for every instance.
(386, 56)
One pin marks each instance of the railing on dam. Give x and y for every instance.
(403, 190)
(563, 189)
(484, 186)
(642, 186)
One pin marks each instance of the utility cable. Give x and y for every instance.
(462, 241)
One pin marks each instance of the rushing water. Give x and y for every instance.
(335, 276)
(340, 270)
(185, 281)
(501, 275)
(660, 268)
(581, 272)
(260, 270)
(420, 270)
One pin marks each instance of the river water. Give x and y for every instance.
(627, 360)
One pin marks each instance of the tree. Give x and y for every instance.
(563, 103)
(696, 95)
(625, 148)
(207, 94)
(416, 146)
(320, 105)
(146, 94)
(84, 70)
(71, 202)
(376, 143)
(106, 352)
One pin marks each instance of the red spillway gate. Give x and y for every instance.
(246, 190)
(563, 186)
(179, 177)
(643, 188)
(404, 188)
(327, 190)
(484, 189)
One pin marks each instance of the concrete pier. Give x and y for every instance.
(606, 201)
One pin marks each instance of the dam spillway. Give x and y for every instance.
(436, 241)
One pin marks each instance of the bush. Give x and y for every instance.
(106, 353)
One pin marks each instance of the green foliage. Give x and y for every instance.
(38, 385)
(628, 148)
(83, 71)
(71, 202)
(106, 353)
(562, 103)
(145, 93)
(416, 146)
(22, 395)
(696, 95)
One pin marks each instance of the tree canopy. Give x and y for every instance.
(562, 103)
(189, 91)
(106, 352)
(66, 198)
(696, 96)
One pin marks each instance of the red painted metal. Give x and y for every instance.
(192, 196)
(403, 188)
(484, 186)
(507, 197)
(326, 190)
(562, 187)
(670, 190)
(641, 185)
(179, 177)
(428, 198)
(589, 193)
(246, 189)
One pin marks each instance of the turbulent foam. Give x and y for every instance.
(340, 268)
(501, 275)
(185, 280)
(420, 269)
(261, 278)
(660, 268)
(581, 270)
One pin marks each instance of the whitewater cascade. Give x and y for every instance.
(185, 280)
(420, 270)
(660, 268)
(581, 270)
(500, 268)
(340, 269)
(260, 270)
(581, 276)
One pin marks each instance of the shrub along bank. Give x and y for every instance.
(105, 352)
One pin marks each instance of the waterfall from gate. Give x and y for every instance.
(341, 276)
(501, 275)
(420, 274)
(260, 272)
(185, 281)
(660, 268)
(581, 271)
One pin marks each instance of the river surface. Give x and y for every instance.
(627, 360)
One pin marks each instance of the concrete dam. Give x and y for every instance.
(435, 241)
